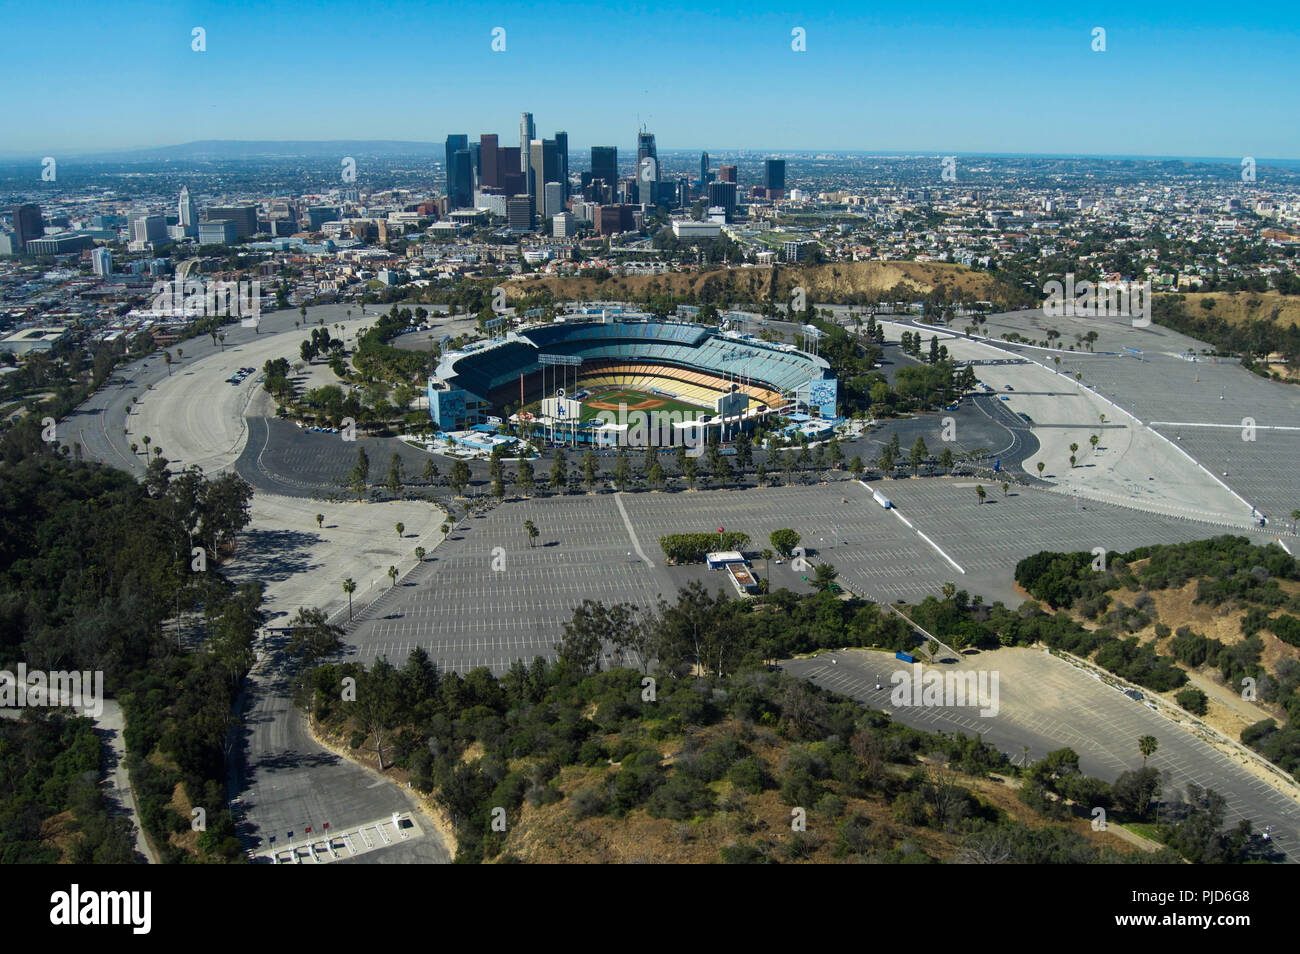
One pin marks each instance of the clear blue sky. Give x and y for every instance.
(1176, 79)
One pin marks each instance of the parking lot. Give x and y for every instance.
(467, 614)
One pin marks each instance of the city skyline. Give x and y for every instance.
(1172, 81)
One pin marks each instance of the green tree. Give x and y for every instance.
(919, 453)
(349, 587)
(824, 575)
(784, 541)
(531, 529)
(400, 528)
(395, 476)
(980, 492)
(320, 521)
(622, 470)
(1147, 745)
(459, 477)
(524, 477)
(559, 470)
(312, 637)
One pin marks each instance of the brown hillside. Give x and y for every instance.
(824, 283)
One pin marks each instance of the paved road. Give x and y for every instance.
(286, 782)
(1045, 704)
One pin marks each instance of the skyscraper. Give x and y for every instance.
(645, 149)
(149, 230)
(488, 147)
(704, 169)
(188, 213)
(458, 190)
(543, 167)
(28, 225)
(647, 178)
(726, 173)
(723, 194)
(463, 195)
(510, 171)
(553, 198)
(774, 178)
(604, 164)
(244, 217)
(102, 261)
(562, 158)
(526, 133)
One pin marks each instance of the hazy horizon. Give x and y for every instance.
(1173, 81)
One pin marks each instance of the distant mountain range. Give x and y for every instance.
(271, 149)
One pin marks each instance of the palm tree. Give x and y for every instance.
(320, 521)
(167, 358)
(1005, 487)
(134, 449)
(222, 338)
(349, 587)
(1147, 745)
(531, 530)
(419, 553)
(1093, 441)
(1040, 466)
(980, 492)
(392, 574)
(147, 440)
(400, 528)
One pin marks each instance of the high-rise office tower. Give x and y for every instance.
(28, 225)
(723, 194)
(604, 164)
(462, 197)
(244, 217)
(475, 161)
(527, 131)
(519, 213)
(647, 180)
(543, 167)
(562, 158)
(553, 198)
(152, 229)
(645, 148)
(488, 148)
(726, 173)
(774, 178)
(102, 261)
(188, 213)
(704, 168)
(458, 190)
(510, 171)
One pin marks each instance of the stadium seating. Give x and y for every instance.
(691, 362)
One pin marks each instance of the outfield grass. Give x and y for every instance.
(639, 400)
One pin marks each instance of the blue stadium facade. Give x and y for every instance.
(469, 384)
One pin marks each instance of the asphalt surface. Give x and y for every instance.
(285, 782)
(487, 598)
(1044, 704)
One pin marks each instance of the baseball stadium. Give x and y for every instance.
(572, 374)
